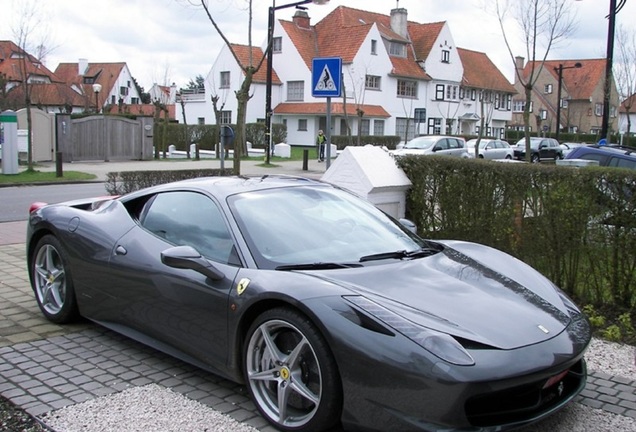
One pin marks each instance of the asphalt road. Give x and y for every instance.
(15, 200)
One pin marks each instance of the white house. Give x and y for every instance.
(406, 78)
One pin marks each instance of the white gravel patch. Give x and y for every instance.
(612, 358)
(155, 408)
(142, 409)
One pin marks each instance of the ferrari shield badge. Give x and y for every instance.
(242, 285)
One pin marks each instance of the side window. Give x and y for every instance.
(622, 163)
(190, 219)
(594, 156)
(442, 144)
(454, 143)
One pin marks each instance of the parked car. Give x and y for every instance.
(567, 147)
(329, 311)
(434, 145)
(607, 155)
(542, 148)
(490, 149)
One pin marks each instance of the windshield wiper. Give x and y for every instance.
(316, 266)
(401, 254)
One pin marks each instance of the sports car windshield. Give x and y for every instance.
(318, 228)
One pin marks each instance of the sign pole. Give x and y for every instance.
(328, 142)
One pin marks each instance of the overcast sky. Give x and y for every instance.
(166, 41)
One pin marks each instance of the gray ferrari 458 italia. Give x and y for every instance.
(332, 313)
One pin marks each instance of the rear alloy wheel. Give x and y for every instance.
(535, 158)
(51, 281)
(291, 373)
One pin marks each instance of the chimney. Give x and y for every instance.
(399, 22)
(82, 66)
(520, 62)
(301, 19)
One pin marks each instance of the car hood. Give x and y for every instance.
(468, 290)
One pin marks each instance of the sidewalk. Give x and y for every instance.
(314, 170)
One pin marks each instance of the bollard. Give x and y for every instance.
(305, 160)
(59, 172)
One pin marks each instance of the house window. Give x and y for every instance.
(612, 111)
(564, 103)
(445, 56)
(451, 92)
(374, 46)
(134, 101)
(405, 128)
(226, 117)
(497, 101)
(406, 88)
(277, 44)
(225, 79)
(201, 121)
(508, 102)
(123, 91)
(378, 127)
(372, 82)
(434, 126)
(462, 92)
(473, 94)
(543, 114)
(397, 49)
(547, 89)
(518, 106)
(113, 100)
(128, 82)
(439, 92)
(302, 124)
(295, 90)
(598, 109)
(89, 80)
(365, 127)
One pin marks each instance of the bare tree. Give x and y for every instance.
(625, 72)
(543, 25)
(249, 69)
(28, 22)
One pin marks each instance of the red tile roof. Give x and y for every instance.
(337, 108)
(143, 109)
(105, 74)
(11, 67)
(243, 54)
(423, 37)
(341, 34)
(581, 82)
(54, 94)
(629, 102)
(481, 72)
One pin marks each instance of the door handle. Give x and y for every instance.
(120, 250)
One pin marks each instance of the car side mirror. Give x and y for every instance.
(187, 257)
(436, 148)
(408, 224)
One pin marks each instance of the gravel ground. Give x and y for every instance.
(153, 407)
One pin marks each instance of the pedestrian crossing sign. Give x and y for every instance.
(326, 77)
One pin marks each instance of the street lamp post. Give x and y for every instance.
(559, 72)
(96, 89)
(270, 65)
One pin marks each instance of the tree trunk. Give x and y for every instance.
(526, 122)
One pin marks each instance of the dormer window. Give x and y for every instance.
(397, 49)
(374, 46)
(89, 80)
(445, 56)
(277, 44)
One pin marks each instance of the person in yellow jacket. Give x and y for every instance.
(320, 143)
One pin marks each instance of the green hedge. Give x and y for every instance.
(120, 183)
(207, 136)
(389, 141)
(575, 225)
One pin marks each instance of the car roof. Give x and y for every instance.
(620, 151)
(224, 186)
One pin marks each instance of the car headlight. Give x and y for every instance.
(439, 344)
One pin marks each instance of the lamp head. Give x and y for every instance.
(97, 88)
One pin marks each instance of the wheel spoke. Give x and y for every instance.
(268, 375)
(284, 390)
(274, 352)
(292, 358)
(299, 387)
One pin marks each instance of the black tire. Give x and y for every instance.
(52, 282)
(508, 157)
(535, 158)
(284, 351)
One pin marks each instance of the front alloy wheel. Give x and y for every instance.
(291, 374)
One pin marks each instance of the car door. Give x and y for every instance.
(490, 150)
(441, 147)
(179, 307)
